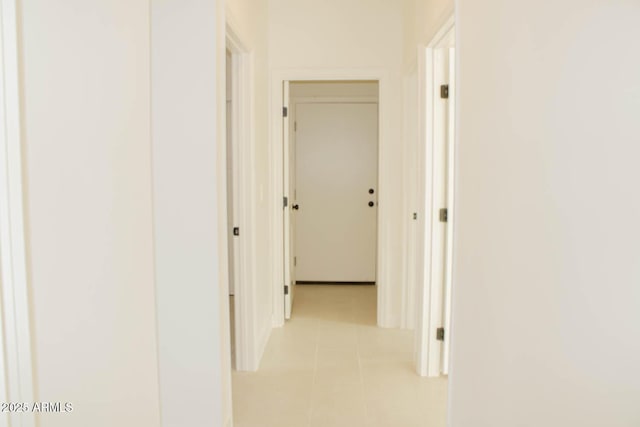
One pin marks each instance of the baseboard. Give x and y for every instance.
(276, 323)
(262, 343)
(318, 282)
(389, 323)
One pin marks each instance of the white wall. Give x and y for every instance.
(188, 101)
(423, 18)
(362, 34)
(334, 89)
(87, 73)
(547, 247)
(85, 99)
(429, 16)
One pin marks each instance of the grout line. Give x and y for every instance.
(362, 386)
(315, 370)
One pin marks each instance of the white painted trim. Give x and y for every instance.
(451, 173)
(423, 295)
(334, 100)
(263, 340)
(435, 238)
(286, 184)
(295, 100)
(410, 226)
(384, 318)
(248, 339)
(431, 293)
(276, 161)
(446, 30)
(16, 373)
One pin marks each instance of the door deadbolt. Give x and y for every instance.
(296, 207)
(371, 191)
(371, 204)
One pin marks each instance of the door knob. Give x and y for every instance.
(371, 191)
(371, 204)
(296, 207)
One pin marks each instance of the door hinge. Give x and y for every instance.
(415, 215)
(444, 91)
(236, 231)
(285, 112)
(440, 334)
(295, 261)
(444, 215)
(295, 126)
(286, 290)
(285, 201)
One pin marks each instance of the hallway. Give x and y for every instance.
(331, 366)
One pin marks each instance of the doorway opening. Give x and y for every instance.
(280, 99)
(330, 184)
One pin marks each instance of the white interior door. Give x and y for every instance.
(434, 296)
(288, 178)
(233, 179)
(336, 187)
(449, 191)
(441, 237)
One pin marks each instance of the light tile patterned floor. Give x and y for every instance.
(330, 366)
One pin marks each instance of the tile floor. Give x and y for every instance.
(330, 366)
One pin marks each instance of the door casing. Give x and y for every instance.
(434, 279)
(385, 139)
(248, 346)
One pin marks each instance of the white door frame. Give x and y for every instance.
(451, 174)
(16, 366)
(289, 273)
(437, 261)
(246, 329)
(384, 252)
(413, 215)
